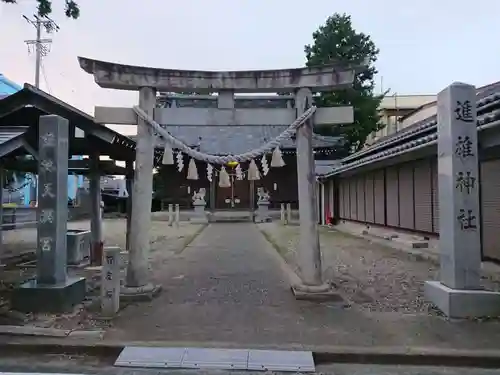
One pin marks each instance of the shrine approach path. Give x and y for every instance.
(229, 286)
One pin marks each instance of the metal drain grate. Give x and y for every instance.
(223, 359)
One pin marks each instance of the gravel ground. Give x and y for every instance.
(372, 276)
(165, 241)
(114, 230)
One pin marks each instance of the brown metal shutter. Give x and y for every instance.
(369, 202)
(406, 204)
(392, 196)
(435, 196)
(360, 192)
(341, 198)
(423, 195)
(347, 200)
(490, 206)
(353, 198)
(379, 196)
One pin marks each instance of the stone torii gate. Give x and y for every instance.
(302, 82)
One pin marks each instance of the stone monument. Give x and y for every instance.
(459, 293)
(199, 204)
(263, 201)
(52, 290)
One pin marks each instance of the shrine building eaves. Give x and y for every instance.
(27, 105)
(129, 77)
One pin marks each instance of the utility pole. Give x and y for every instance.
(41, 45)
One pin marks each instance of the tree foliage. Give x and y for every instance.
(44, 7)
(338, 41)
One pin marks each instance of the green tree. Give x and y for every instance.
(337, 40)
(44, 8)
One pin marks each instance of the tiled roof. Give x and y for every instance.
(484, 93)
(323, 167)
(424, 133)
(224, 140)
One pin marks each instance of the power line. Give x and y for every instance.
(41, 46)
(45, 77)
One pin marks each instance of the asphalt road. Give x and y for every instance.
(79, 364)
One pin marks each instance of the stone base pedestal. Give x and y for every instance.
(321, 294)
(59, 298)
(460, 303)
(200, 216)
(262, 214)
(145, 293)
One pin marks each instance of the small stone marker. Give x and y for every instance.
(110, 281)
(170, 214)
(288, 213)
(282, 213)
(177, 214)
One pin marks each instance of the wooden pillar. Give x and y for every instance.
(309, 247)
(129, 165)
(142, 194)
(95, 210)
(322, 219)
(336, 201)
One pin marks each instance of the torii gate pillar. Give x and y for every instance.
(309, 249)
(309, 252)
(137, 279)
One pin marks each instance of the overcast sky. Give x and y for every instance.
(424, 45)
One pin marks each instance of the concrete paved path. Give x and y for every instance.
(229, 286)
(228, 289)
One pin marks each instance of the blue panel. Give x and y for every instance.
(7, 87)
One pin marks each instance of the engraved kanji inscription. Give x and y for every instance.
(465, 182)
(110, 259)
(463, 147)
(47, 216)
(46, 244)
(48, 139)
(47, 190)
(47, 165)
(463, 111)
(466, 220)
